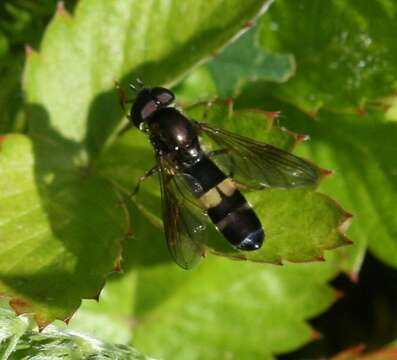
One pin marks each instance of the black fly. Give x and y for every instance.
(193, 184)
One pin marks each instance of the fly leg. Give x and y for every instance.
(154, 170)
(123, 101)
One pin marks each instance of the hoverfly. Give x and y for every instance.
(193, 186)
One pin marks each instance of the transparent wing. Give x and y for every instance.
(184, 221)
(260, 165)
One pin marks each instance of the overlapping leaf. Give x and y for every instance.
(62, 225)
(59, 239)
(345, 51)
(221, 308)
(360, 150)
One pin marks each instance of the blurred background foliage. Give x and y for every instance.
(329, 68)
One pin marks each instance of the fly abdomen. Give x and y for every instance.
(235, 218)
(226, 206)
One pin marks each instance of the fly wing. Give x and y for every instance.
(184, 221)
(260, 165)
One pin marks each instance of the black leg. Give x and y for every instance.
(148, 174)
(123, 99)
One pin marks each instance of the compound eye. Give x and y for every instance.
(165, 98)
(148, 109)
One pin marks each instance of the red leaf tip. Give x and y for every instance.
(353, 276)
(61, 10)
(320, 258)
(272, 115)
(229, 101)
(20, 306)
(361, 112)
(347, 216)
(41, 323)
(302, 137)
(315, 335)
(28, 50)
(117, 265)
(345, 223)
(313, 114)
(67, 319)
(357, 350)
(326, 172)
(338, 294)
(249, 24)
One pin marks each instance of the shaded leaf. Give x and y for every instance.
(81, 56)
(345, 51)
(74, 215)
(300, 223)
(59, 239)
(263, 308)
(361, 152)
(245, 61)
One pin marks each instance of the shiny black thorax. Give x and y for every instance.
(172, 134)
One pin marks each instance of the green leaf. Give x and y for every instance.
(224, 309)
(19, 341)
(300, 223)
(59, 239)
(345, 51)
(72, 222)
(73, 77)
(221, 308)
(361, 152)
(197, 86)
(246, 61)
(3, 45)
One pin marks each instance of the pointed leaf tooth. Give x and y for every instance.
(229, 101)
(117, 265)
(320, 258)
(41, 323)
(361, 112)
(28, 50)
(345, 224)
(61, 10)
(302, 137)
(97, 296)
(315, 335)
(272, 115)
(249, 24)
(20, 306)
(354, 276)
(313, 114)
(339, 294)
(326, 172)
